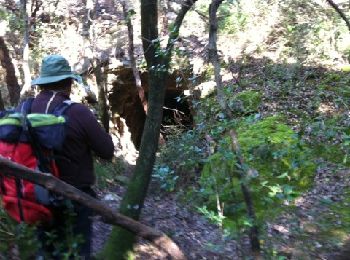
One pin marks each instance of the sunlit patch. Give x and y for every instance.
(326, 108)
(299, 201)
(281, 229)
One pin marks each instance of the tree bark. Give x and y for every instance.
(213, 57)
(9, 168)
(25, 53)
(2, 105)
(101, 81)
(254, 231)
(11, 79)
(121, 241)
(127, 16)
(100, 66)
(213, 54)
(340, 12)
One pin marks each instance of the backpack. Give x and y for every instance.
(30, 139)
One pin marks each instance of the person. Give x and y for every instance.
(84, 137)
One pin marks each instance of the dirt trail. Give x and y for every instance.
(195, 235)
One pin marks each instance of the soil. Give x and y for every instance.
(198, 238)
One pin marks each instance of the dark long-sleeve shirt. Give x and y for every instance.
(84, 136)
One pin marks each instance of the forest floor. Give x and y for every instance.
(198, 238)
(312, 229)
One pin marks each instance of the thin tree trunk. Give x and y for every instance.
(136, 73)
(101, 81)
(47, 180)
(213, 56)
(25, 54)
(340, 12)
(254, 231)
(99, 66)
(165, 23)
(2, 105)
(11, 79)
(121, 241)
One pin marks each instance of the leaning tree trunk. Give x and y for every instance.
(11, 79)
(121, 241)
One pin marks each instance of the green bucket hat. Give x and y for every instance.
(55, 68)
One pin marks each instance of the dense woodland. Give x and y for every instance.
(230, 120)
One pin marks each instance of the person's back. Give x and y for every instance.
(84, 137)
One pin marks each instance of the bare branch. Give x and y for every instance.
(340, 12)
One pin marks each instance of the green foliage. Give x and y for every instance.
(233, 18)
(246, 102)
(330, 138)
(179, 160)
(280, 169)
(24, 238)
(336, 227)
(213, 216)
(107, 172)
(165, 176)
(13, 234)
(3, 15)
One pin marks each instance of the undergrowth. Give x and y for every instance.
(280, 146)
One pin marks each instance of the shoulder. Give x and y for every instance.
(78, 107)
(79, 111)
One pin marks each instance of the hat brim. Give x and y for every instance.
(52, 79)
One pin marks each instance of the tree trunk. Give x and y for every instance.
(120, 243)
(164, 7)
(25, 54)
(11, 79)
(213, 56)
(47, 180)
(101, 81)
(127, 16)
(254, 231)
(2, 105)
(99, 66)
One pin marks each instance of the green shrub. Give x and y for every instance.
(21, 236)
(249, 101)
(179, 160)
(280, 168)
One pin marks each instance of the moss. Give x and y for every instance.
(249, 101)
(329, 152)
(270, 130)
(283, 165)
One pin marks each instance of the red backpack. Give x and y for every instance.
(30, 139)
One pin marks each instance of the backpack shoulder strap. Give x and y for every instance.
(26, 106)
(62, 108)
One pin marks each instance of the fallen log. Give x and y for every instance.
(162, 241)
